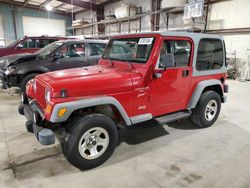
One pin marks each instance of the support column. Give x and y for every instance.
(155, 18)
(99, 17)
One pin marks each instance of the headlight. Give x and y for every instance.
(4, 63)
(10, 70)
(47, 95)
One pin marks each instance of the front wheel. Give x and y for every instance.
(90, 141)
(207, 109)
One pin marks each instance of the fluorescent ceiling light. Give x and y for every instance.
(48, 8)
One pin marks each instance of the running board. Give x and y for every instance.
(173, 117)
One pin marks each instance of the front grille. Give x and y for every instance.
(40, 92)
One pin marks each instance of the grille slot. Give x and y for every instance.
(40, 92)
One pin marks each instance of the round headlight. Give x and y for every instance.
(47, 95)
(3, 63)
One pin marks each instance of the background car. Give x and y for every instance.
(18, 70)
(28, 45)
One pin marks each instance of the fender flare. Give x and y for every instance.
(84, 103)
(199, 89)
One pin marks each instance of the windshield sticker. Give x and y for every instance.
(146, 41)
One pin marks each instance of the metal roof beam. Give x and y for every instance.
(109, 2)
(82, 4)
(45, 3)
(26, 2)
(60, 6)
(19, 6)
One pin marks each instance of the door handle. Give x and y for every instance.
(185, 73)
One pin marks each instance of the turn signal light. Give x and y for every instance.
(48, 109)
(61, 112)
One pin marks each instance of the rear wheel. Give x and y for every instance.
(25, 81)
(207, 109)
(90, 141)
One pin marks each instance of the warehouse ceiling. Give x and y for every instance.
(64, 6)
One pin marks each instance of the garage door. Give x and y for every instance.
(1, 31)
(33, 26)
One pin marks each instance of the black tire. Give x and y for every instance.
(25, 80)
(199, 117)
(81, 125)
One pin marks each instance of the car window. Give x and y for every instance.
(47, 50)
(118, 49)
(73, 50)
(210, 54)
(42, 43)
(51, 40)
(96, 48)
(29, 43)
(180, 49)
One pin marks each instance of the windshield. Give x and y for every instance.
(48, 49)
(129, 49)
(13, 44)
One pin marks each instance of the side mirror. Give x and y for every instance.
(166, 61)
(19, 46)
(57, 55)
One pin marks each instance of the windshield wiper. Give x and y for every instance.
(111, 63)
(131, 67)
(125, 60)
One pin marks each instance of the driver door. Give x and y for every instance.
(170, 86)
(71, 56)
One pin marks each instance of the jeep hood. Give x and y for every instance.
(93, 80)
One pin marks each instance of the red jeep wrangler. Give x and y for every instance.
(166, 76)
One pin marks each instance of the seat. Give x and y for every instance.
(94, 50)
(71, 52)
(141, 52)
(181, 58)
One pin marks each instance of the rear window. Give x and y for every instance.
(210, 55)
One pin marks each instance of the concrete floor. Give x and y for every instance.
(174, 155)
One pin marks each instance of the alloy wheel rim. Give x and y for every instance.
(211, 110)
(93, 143)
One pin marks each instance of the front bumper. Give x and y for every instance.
(224, 99)
(8, 81)
(4, 80)
(225, 89)
(34, 117)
